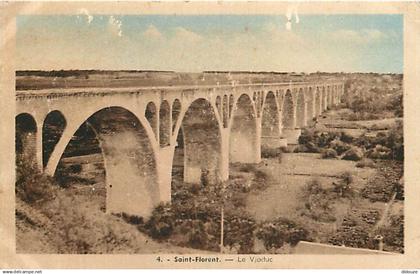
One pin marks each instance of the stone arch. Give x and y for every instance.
(176, 110)
(128, 156)
(288, 111)
(243, 141)
(25, 140)
(270, 122)
(201, 133)
(225, 111)
(151, 116)
(52, 130)
(164, 124)
(300, 109)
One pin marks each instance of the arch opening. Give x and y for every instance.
(151, 116)
(225, 111)
(164, 124)
(200, 139)
(270, 123)
(176, 110)
(52, 130)
(25, 140)
(231, 103)
(301, 110)
(310, 105)
(318, 102)
(112, 152)
(243, 134)
(219, 105)
(288, 116)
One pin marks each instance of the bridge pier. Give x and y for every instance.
(164, 167)
(224, 155)
(38, 147)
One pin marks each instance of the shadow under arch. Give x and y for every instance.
(120, 141)
(25, 140)
(52, 130)
(310, 111)
(198, 146)
(270, 122)
(243, 132)
(288, 117)
(300, 109)
(318, 102)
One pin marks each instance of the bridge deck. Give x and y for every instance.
(60, 91)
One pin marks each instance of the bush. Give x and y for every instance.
(365, 163)
(379, 152)
(328, 153)
(267, 152)
(280, 231)
(346, 137)
(343, 187)
(301, 149)
(306, 136)
(339, 146)
(353, 154)
(197, 236)
(31, 185)
(161, 223)
(317, 202)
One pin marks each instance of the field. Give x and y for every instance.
(341, 185)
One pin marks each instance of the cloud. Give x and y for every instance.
(152, 32)
(362, 36)
(186, 35)
(85, 13)
(114, 25)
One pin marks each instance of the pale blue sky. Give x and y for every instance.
(213, 42)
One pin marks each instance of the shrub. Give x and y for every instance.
(329, 153)
(312, 148)
(161, 223)
(318, 203)
(197, 236)
(301, 149)
(353, 154)
(365, 162)
(306, 136)
(280, 231)
(31, 185)
(267, 152)
(339, 146)
(379, 152)
(346, 137)
(343, 187)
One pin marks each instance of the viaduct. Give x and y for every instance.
(137, 129)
